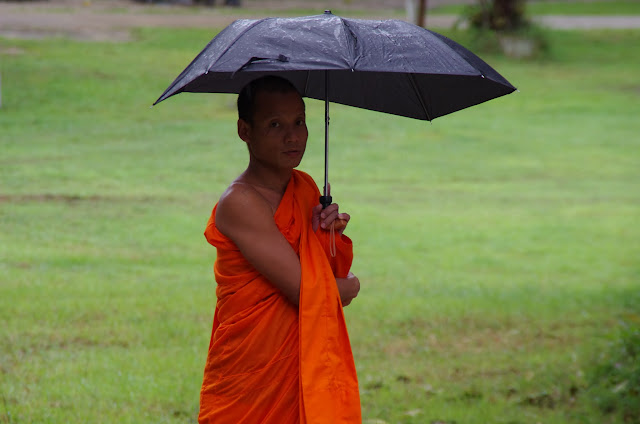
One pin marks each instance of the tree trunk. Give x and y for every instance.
(422, 11)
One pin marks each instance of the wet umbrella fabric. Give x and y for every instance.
(388, 66)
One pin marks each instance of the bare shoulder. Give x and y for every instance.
(241, 206)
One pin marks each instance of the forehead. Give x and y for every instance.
(274, 103)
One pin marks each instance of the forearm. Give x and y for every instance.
(280, 266)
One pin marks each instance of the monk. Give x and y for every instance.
(279, 350)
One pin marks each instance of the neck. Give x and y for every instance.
(276, 180)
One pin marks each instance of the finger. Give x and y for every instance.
(341, 222)
(329, 214)
(344, 216)
(339, 225)
(329, 209)
(326, 222)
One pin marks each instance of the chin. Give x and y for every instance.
(292, 164)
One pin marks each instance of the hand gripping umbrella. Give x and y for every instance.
(388, 66)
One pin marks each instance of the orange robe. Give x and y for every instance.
(270, 362)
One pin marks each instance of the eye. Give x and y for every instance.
(274, 124)
(300, 122)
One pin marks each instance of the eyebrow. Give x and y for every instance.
(278, 116)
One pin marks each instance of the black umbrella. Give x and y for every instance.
(388, 66)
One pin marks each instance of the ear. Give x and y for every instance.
(244, 130)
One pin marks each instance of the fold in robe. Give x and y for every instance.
(270, 362)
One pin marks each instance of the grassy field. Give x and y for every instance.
(562, 7)
(347, 8)
(497, 247)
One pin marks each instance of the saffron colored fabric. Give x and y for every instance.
(270, 362)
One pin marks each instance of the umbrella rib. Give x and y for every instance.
(182, 74)
(413, 81)
(178, 79)
(441, 38)
(392, 41)
(352, 53)
(417, 91)
(254, 24)
(306, 83)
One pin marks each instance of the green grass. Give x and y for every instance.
(561, 7)
(612, 7)
(497, 247)
(347, 8)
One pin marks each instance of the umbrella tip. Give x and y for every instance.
(327, 12)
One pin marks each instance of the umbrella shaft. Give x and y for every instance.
(326, 133)
(326, 198)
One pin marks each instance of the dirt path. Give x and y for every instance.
(112, 20)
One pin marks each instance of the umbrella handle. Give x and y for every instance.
(325, 201)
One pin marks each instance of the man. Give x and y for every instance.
(279, 350)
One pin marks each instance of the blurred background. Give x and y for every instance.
(497, 247)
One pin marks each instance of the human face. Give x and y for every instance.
(277, 137)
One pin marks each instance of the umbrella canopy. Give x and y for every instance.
(387, 66)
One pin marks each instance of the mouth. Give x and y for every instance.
(293, 153)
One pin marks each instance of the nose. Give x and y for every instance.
(295, 133)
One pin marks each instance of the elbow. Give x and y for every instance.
(294, 297)
(291, 290)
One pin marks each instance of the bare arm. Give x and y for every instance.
(247, 219)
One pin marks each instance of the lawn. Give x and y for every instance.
(561, 7)
(497, 247)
